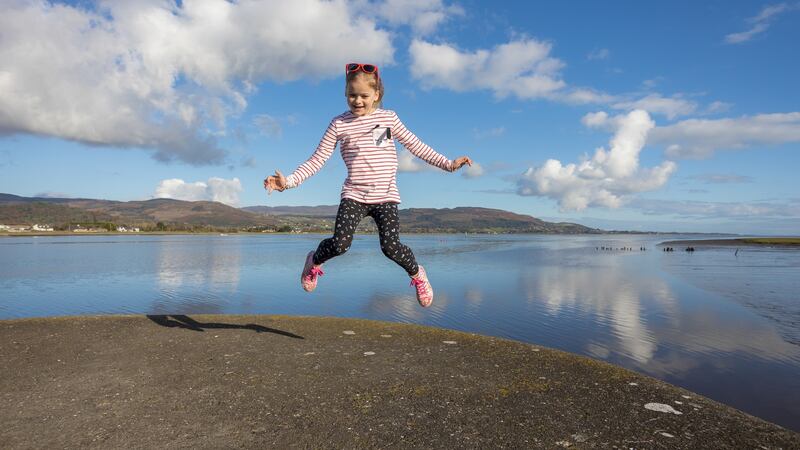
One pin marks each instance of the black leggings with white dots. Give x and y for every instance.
(347, 219)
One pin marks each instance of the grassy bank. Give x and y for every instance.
(773, 241)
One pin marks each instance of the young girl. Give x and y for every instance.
(365, 135)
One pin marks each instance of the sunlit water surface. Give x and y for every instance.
(721, 324)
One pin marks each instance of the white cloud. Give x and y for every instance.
(602, 53)
(610, 177)
(670, 107)
(718, 107)
(423, 16)
(699, 138)
(268, 125)
(490, 133)
(473, 171)
(215, 190)
(528, 72)
(406, 162)
(522, 68)
(582, 96)
(760, 23)
(162, 77)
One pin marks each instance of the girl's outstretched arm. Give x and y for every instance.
(317, 159)
(458, 162)
(419, 148)
(275, 182)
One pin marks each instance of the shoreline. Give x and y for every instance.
(256, 381)
(286, 233)
(793, 242)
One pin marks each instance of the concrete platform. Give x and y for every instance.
(302, 382)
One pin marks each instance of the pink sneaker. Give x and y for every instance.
(308, 279)
(424, 289)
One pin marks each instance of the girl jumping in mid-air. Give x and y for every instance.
(366, 136)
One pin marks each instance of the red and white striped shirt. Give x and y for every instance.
(367, 147)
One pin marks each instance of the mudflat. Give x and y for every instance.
(740, 242)
(306, 382)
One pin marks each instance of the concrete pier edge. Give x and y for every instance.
(256, 381)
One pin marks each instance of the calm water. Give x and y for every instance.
(725, 326)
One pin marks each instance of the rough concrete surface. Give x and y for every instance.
(301, 382)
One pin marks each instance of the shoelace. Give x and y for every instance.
(419, 284)
(314, 273)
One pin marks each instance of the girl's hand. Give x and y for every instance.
(458, 162)
(275, 182)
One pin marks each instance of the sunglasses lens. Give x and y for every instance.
(352, 67)
(369, 68)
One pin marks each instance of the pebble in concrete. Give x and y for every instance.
(450, 342)
(349, 332)
(660, 407)
(369, 353)
(386, 335)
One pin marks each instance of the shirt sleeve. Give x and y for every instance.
(417, 147)
(324, 151)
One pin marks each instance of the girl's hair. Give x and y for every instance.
(372, 79)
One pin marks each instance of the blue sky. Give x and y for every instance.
(693, 105)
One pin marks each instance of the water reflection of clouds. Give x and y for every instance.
(646, 321)
(199, 263)
(608, 293)
(404, 307)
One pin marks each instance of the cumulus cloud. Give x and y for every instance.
(215, 190)
(528, 72)
(670, 107)
(165, 76)
(582, 96)
(700, 138)
(610, 177)
(406, 162)
(761, 22)
(473, 171)
(423, 16)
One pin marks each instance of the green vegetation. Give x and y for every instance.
(773, 241)
(171, 216)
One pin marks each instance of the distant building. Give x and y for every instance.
(15, 228)
(37, 227)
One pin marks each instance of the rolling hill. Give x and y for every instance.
(187, 215)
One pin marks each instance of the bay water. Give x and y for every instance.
(721, 323)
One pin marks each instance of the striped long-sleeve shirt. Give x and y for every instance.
(367, 147)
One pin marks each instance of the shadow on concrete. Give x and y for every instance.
(182, 321)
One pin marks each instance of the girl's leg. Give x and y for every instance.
(347, 218)
(388, 222)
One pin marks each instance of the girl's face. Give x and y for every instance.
(361, 97)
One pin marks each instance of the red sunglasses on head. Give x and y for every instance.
(366, 68)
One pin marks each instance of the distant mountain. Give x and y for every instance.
(184, 215)
(61, 211)
(323, 211)
(445, 220)
(472, 219)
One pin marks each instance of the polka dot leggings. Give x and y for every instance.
(347, 219)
